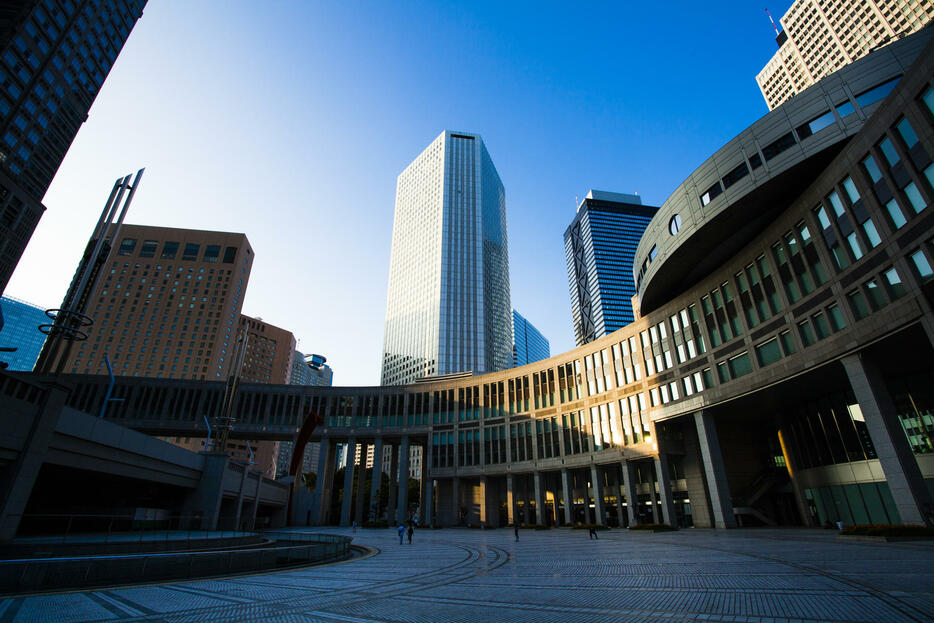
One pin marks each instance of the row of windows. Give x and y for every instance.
(170, 250)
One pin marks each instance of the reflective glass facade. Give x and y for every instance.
(601, 245)
(528, 344)
(448, 306)
(20, 331)
(54, 56)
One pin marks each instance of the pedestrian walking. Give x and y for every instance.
(401, 533)
(593, 533)
(355, 527)
(516, 531)
(411, 531)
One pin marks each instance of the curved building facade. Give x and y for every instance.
(779, 372)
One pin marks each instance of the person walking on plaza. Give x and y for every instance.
(401, 533)
(411, 531)
(516, 531)
(355, 527)
(593, 533)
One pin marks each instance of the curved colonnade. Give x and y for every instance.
(790, 382)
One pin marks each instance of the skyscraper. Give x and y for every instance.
(528, 343)
(448, 306)
(269, 352)
(819, 37)
(20, 330)
(600, 244)
(167, 304)
(54, 56)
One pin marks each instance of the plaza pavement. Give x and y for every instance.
(472, 576)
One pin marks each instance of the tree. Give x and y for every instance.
(309, 480)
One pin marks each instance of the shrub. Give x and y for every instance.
(887, 530)
(653, 527)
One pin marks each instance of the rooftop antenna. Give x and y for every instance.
(773, 21)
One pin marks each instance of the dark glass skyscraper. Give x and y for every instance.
(601, 244)
(54, 56)
(528, 343)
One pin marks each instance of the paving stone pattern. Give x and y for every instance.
(469, 576)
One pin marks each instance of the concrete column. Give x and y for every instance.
(655, 514)
(791, 464)
(377, 480)
(206, 498)
(456, 499)
(426, 488)
(348, 483)
(596, 479)
(402, 512)
(235, 524)
(359, 515)
(566, 492)
(393, 483)
(430, 508)
(321, 496)
(619, 497)
(664, 489)
(526, 498)
(253, 507)
(511, 499)
(694, 477)
(538, 482)
(895, 456)
(629, 488)
(714, 471)
(18, 478)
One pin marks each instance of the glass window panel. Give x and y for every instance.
(768, 352)
(807, 333)
(875, 295)
(895, 214)
(850, 189)
(872, 169)
(872, 235)
(894, 284)
(922, 265)
(908, 133)
(888, 150)
(855, 247)
(822, 217)
(788, 343)
(837, 320)
(821, 327)
(928, 99)
(739, 365)
(915, 198)
(929, 174)
(836, 204)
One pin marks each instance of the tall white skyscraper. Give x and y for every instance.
(448, 308)
(818, 37)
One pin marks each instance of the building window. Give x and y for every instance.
(148, 249)
(736, 174)
(211, 252)
(876, 93)
(895, 214)
(674, 225)
(922, 265)
(711, 193)
(815, 125)
(230, 255)
(191, 252)
(169, 251)
(127, 246)
(776, 147)
(907, 132)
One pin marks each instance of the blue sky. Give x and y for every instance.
(290, 120)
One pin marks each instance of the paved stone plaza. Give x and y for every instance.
(557, 575)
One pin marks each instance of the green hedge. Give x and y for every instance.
(653, 527)
(887, 530)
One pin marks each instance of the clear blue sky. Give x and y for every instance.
(290, 120)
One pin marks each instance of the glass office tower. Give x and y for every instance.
(528, 343)
(20, 330)
(448, 307)
(601, 245)
(54, 56)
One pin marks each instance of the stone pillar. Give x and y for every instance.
(402, 512)
(426, 489)
(538, 482)
(19, 477)
(511, 499)
(253, 507)
(597, 480)
(714, 470)
(348, 483)
(791, 464)
(895, 456)
(632, 497)
(377, 480)
(619, 498)
(235, 524)
(655, 514)
(568, 501)
(694, 477)
(393, 483)
(205, 500)
(526, 498)
(430, 508)
(322, 497)
(456, 499)
(664, 489)
(359, 515)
